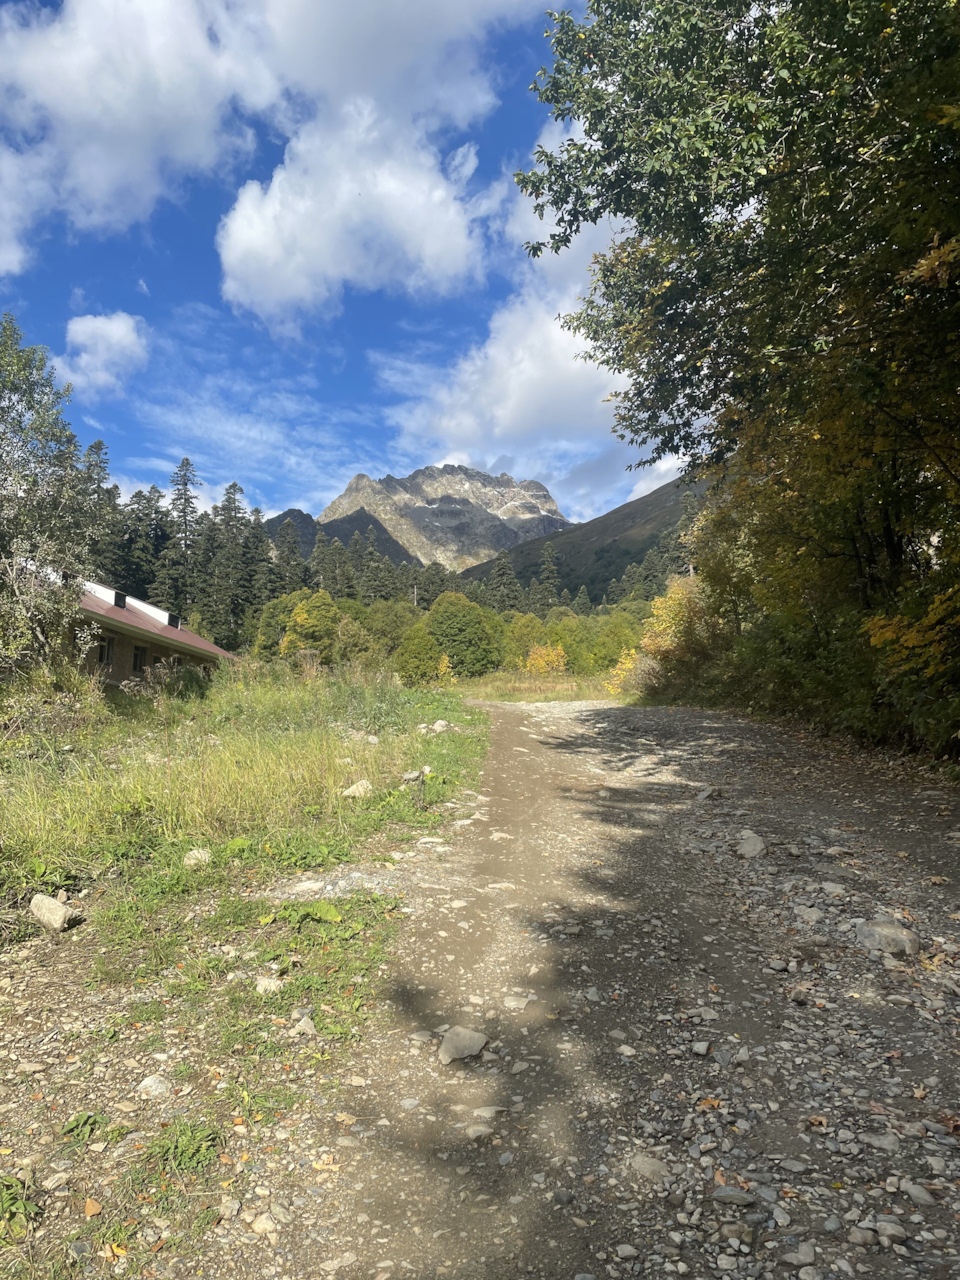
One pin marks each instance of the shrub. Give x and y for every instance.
(523, 632)
(418, 658)
(546, 659)
(274, 621)
(312, 625)
(354, 643)
(460, 629)
(682, 632)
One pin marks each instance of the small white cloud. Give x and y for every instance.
(142, 287)
(102, 351)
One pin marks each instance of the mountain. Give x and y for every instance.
(592, 553)
(451, 514)
(304, 524)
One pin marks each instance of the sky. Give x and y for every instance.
(281, 237)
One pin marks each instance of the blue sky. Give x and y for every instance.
(281, 236)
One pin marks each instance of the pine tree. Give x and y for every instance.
(174, 586)
(291, 570)
(504, 592)
(225, 600)
(566, 599)
(581, 604)
(106, 556)
(146, 531)
(318, 566)
(614, 592)
(343, 582)
(549, 577)
(260, 579)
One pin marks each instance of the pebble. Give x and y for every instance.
(53, 915)
(460, 1042)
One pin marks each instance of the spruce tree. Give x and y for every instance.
(291, 570)
(146, 531)
(225, 601)
(343, 582)
(106, 555)
(549, 577)
(581, 604)
(504, 592)
(261, 581)
(614, 592)
(566, 599)
(318, 566)
(174, 586)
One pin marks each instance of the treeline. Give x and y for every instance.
(783, 304)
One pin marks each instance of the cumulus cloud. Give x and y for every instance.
(102, 351)
(107, 108)
(356, 201)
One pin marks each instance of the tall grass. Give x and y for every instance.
(264, 754)
(523, 686)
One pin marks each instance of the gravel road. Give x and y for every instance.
(706, 975)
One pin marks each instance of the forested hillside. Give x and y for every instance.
(784, 302)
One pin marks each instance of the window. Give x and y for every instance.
(139, 657)
(105, 651)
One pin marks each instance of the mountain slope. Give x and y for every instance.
(592, 553)
(452, 514)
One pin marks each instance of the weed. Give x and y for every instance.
(80, 1129)
(185, 1146)
(16, 1211)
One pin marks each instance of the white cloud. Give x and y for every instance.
(108, 107)
(102, 351)
(357, 201)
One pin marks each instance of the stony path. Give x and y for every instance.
(696, 1059)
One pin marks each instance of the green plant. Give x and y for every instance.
(16, 1211)
(79, 1129)
(185, 1146)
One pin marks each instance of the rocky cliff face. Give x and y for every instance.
(453, 514)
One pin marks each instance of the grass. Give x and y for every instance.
(521, 686)
(261, 759)
(252, 772)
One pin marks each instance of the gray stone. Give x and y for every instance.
(336, 1264)
(920, 1196)
(801, 1256)
(268, 986)
(810, 915)
(53, 915)
(887, 935)
(701, 1048)
(626, 1251)
(358, 790)
(229, 1208)
(409, 1104)
(809, 1273)
(461, 1042)
(862, 1236)
(751, 845)
(305, 1027)
(197, 858)
(563, 1196)
(888, 1142)
(648, 1168)
(733, 1195)
(890, 1229)
(477, 1132)
(154, 1087)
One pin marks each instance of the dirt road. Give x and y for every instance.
(697, 1059)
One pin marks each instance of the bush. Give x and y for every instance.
(274, 621)
(418, 658)
(546, 659)
(313, 626)
(354, 643)
(462, 630)
(682, 633)
(523, 631)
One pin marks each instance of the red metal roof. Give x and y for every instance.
(134, 621)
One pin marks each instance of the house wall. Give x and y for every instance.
(121, 664)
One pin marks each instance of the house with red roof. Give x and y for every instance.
(133, 636)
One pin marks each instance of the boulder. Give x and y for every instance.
(53, 915)
(751, 845)
(648, 1168)
(197, 858)
(888, 936)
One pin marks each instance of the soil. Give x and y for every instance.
(693, 1063)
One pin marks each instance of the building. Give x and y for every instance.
(133, 636)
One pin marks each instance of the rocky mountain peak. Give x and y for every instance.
(450, 513)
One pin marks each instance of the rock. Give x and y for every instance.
(476, 1132)
(461, 1042)
(888, 1142)
(345, 1260)
(920, 1196)
(518, 1067)
(751, 845)
(30, 1068)
(626, 1251)
(264, 1224)
(648, 1168)
(708, 793)
(53, 915)
(563, 1196)
(519, 1003)
(862, 1236)
(890, 1229)
(801, 1256)
(154, 1087)
(409, 1104)
(811, 915)
(809, 1273)
(701, 1048)
(626, 1051)
(887, 935)
(440, 726)
(197, 858)
(359, 789)
(268, 986)
(733, 1195)
(305, 1027)
(229, 1208)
